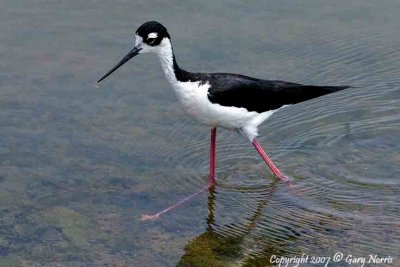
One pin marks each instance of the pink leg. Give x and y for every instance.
(156, 216)
(212, 156)
(146, 217)
(269, 162)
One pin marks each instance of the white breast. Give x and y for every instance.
(194, 98)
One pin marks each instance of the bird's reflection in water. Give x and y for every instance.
(215, 247)
(279, 224)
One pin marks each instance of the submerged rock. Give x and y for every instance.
(75, 226)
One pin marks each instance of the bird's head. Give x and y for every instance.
(150, 37)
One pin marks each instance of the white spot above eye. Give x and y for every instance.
(152, 35)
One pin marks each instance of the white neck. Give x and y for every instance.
(166, 56)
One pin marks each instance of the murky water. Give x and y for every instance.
(79, 164)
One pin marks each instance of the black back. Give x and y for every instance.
(261, 95)
(238, 90)
(254, 94)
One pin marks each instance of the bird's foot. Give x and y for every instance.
(146, 217)
(156, 216)
(283, 178)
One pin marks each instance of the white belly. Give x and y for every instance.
(194, 100)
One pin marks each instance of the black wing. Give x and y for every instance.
(260, 95)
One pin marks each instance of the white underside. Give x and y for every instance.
(195, 102)
(194, 99)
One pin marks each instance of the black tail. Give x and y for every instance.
(292, 93)
(262, 95)
(313, 91)
(328, 89)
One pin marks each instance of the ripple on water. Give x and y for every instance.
(77, 162)
(342, 152)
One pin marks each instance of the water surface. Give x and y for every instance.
(80, 164)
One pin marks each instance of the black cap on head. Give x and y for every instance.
(152, 32)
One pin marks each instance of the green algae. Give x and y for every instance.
(211, 249)
(75, 226)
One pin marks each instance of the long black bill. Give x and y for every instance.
(130, 55)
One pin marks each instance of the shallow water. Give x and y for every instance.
(80, 164)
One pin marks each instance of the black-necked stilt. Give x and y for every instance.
(226, 100)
